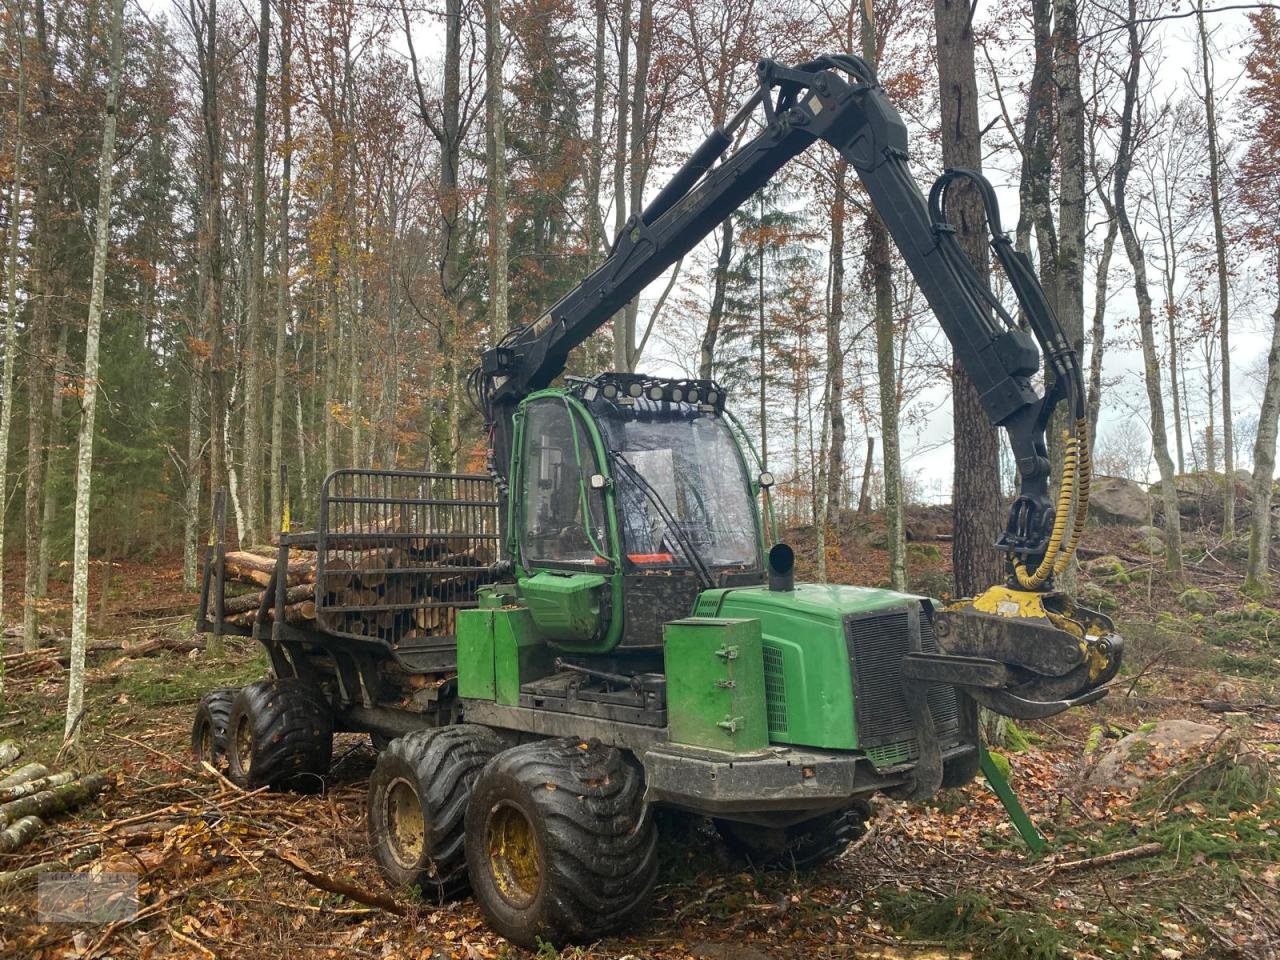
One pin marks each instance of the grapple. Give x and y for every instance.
(1034, 654)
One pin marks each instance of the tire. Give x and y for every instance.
(806, 845)
(280, 735)
(209, 728)
(416, 815)
(561, 847)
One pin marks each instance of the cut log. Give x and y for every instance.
(35, 786)
(22, 831)
(251, 601)
(29, 772)
(16, 879)
(250, 568)
(57, 800)
(9, 752)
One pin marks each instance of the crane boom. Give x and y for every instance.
(835, 99)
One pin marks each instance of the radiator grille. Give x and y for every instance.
(877, 645)
(775, 695)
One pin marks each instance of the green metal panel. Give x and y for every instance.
(519, 653)
(715, 683)
(565, 606)
(475, 654)
(808, 682)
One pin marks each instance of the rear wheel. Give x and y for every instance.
(209, 729)
(280, 734)
(561, 847)
(803, 846)
(417, 807)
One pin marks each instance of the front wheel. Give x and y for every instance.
(803, 846)
(209, 728)
(417, 807)
(561, 846)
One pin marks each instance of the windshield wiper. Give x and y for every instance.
(677, 532)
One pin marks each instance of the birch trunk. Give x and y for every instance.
(835, 351)
(1146, 318)
(282, 264)
(84, 457)
(7, 378)
(52, 458)
(1258, 574)
(621, 334)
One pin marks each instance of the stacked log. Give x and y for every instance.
(32, 795)
(401, 589)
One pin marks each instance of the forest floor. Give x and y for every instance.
(942, 879)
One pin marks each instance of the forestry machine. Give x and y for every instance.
(613, 634)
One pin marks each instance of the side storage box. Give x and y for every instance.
(715, 683)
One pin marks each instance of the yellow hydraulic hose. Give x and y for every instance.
(1085, 474)
(1066, 491)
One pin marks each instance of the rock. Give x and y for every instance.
(1114, 500)
(1095, 598)
(931, 583)
(878, 539)
(1197, 600)
(1226, 691)
(1149, 539)
(720, 950)
(1149, 531)
(1146, 754)
(924, 552)
(1108, 568)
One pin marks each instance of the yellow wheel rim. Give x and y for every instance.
(244, 745)
(513, 854)
(406, 828)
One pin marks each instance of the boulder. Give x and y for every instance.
(1197, 600)
(1108, 568)
(1095, 597)
(1114, 500)
(1146, 754)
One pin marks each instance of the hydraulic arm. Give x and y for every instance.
(1054, 653)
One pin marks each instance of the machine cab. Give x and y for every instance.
(629, 496)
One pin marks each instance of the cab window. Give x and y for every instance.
(563, 515)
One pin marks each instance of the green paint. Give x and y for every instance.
(565, 606)
(475, 654)
(519, 653)
(715, 683)
(603, 640)
(808, 678)
(1000, 784)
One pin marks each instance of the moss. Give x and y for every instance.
(924, 552)
(1197, 600)
(1096, 598)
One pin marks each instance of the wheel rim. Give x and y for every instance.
(244, 745)
(513, 854)
(406, 828)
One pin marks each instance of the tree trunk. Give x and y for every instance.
(621, 334)
(53, 455)
(84, 462)
(1258, 574)
(1097, 329)
(1146, 319)
(1220, 249)
(835, 351)
(595, 152)
(253, 360)
(278, 494)
(879, 267)
(497, 144)
(7, 372)
(720, 286)
(976, 489)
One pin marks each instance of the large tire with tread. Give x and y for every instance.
(416, 815)
(806, 845)
(209, 728)
(280, 735)
(561, 847)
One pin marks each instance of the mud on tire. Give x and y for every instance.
(209, 728)
(416, 815)
(280, 735)
(561, 847)
(806, 845)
